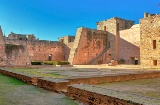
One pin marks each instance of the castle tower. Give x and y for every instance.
(2, 49)
(112, 27)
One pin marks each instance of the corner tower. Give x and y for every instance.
(112, 27)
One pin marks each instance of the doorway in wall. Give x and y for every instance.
(49, 57)
(134, 60)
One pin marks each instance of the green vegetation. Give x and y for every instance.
(11, 81)
(36, 63)
(121, 61)
(8, 85)
(56, 62)
(51, 62)
(37, 72)
(69, 101)
(15, 92)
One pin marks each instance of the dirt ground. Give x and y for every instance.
(143, 87)
(78, 71)
(15, 92)
(19, 93)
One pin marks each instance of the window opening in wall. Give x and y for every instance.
(49, 57)
(154, 44)
(104, 28)
(155, 62)
(136, 61)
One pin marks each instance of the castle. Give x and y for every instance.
(114, 39)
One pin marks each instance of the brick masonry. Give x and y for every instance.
(149, 30)
(114, 38)
(91, 44)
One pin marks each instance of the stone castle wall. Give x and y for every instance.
(40, 50)
(17, 55)
(129, 43)
(149, 50)
(112, 26)
(2, 50)
(91, 44)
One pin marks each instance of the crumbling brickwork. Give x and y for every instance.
(150, 40)
(40, 50)
(2, 50)
(91, 44)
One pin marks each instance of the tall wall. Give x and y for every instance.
(40, 50)
(17, 55)
(2, 49)
(68, 45)
(149, 31)
(129, 44)
(92, 43)
(112, 26)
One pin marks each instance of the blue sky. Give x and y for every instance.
(50, 19)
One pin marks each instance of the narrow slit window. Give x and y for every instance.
(155, 62)
(154, 44)
(104, 28)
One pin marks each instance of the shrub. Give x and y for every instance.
(36, 63)
(121, 61)
(51, 62)
(63, 63)
(56, 62)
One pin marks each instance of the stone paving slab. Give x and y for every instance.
(118, 94)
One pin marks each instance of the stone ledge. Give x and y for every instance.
(96, 95)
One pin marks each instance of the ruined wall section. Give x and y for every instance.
(92, 43)
(149, 31)
(40, 50)
(17, 55)
(2, 49)
(129, 43)
(112, 26)
(68, 45)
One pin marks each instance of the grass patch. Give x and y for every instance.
(8, 80)
(37, 72)
(68, 101)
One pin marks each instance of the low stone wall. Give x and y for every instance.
(57, 85)
(53, 84)
(20, 76)
(93, 98)
(114, 78)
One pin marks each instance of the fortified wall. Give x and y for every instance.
(129, 45)
(68, 45)
(104, 44)
(88, 46)
(150, 40)
(19, 50)
(115, 39)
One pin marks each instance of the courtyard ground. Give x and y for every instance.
(15, 92)
(27, 93)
